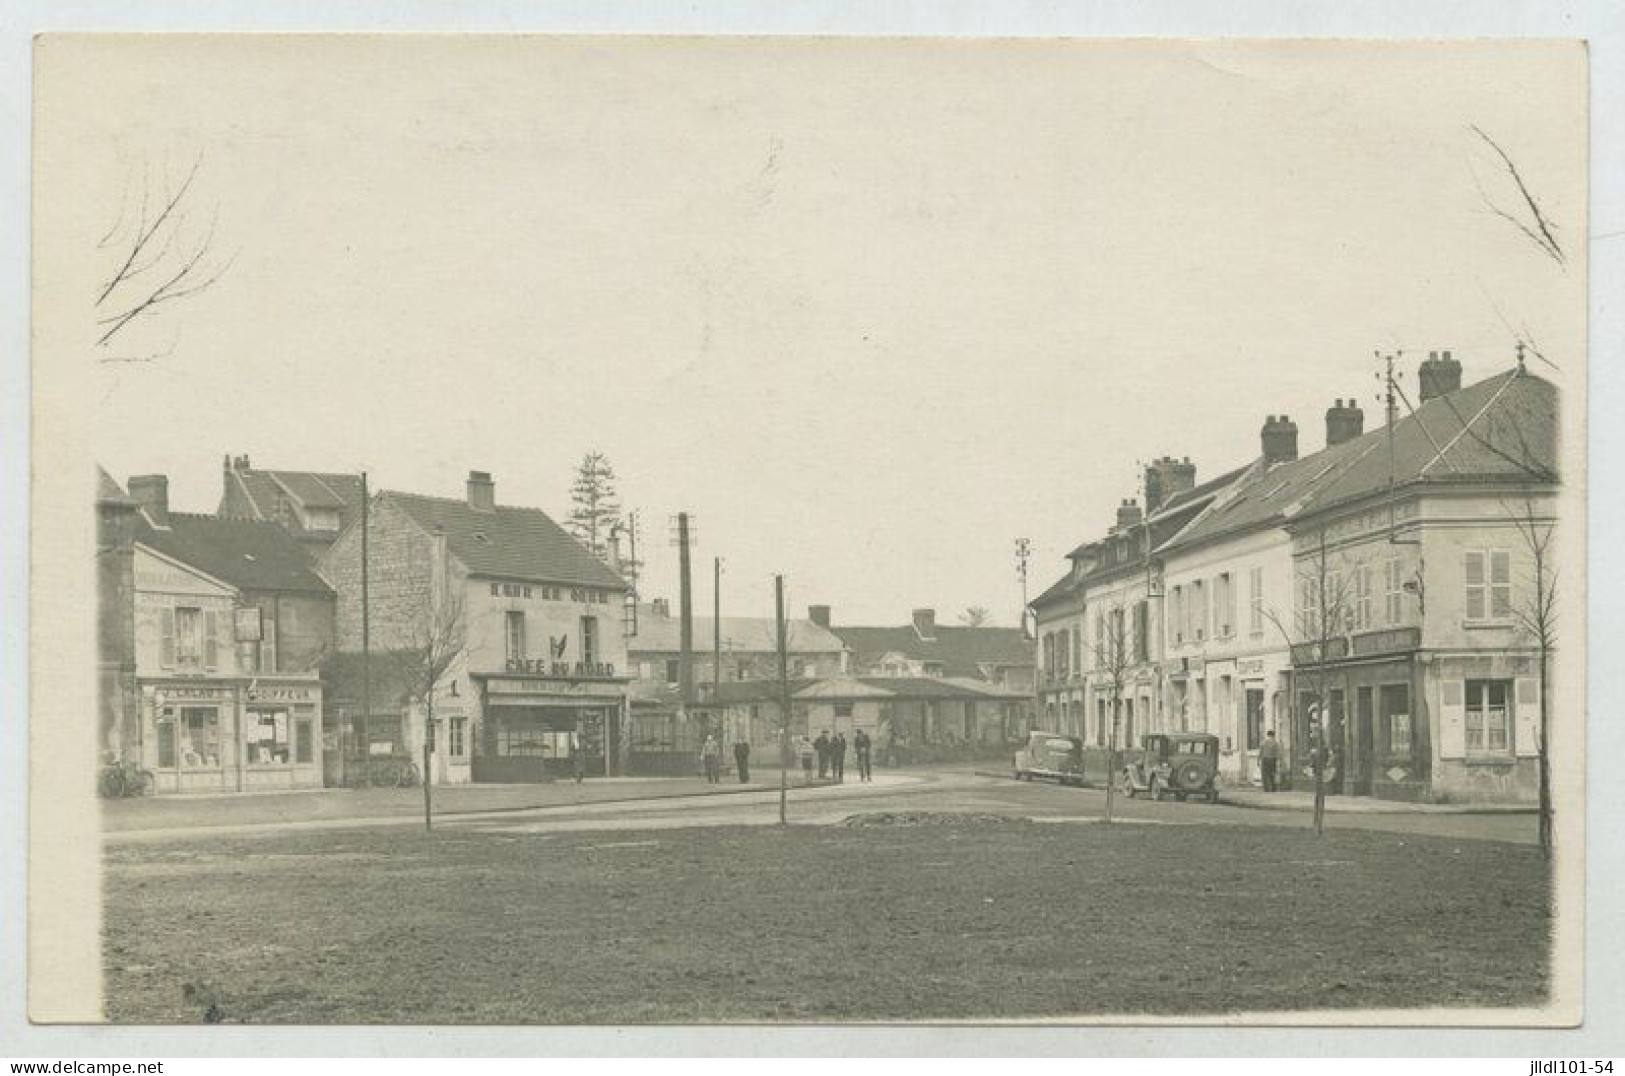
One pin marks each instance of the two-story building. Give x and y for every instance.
(229, 625)
(1428, 551)
(492, 617)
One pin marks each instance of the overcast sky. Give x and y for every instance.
(868, 310)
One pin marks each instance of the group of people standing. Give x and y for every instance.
(829, 752)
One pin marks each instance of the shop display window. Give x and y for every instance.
(266, 737)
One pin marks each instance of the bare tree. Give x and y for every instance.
(1113, 659)
(435, 638)
(1318, 630)
(593, 507)
(156, 255)
(976, 616)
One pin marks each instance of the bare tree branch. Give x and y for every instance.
(1545, 239)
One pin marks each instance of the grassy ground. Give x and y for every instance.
(747, 924)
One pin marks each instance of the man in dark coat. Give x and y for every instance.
(838, 757)
(822, 746)
(862, 745)
(742, 761)
(1269, 761)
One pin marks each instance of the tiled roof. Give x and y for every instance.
(1504, 427)
(1166, 520)
(959, 649)
(508, 542)
(313, 489)
(1068, 586)
(659, 634)
(248, 554)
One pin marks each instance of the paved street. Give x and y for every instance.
(677, 803)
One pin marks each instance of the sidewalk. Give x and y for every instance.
(1304, 800)
(356, 804)
(1300, 800)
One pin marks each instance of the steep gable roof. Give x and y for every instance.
(959, 649)
(507, 541)
(262, 489)
(248, 554)
(657, 633)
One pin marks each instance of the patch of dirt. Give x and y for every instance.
(932, 818)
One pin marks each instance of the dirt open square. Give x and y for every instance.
(991, 920)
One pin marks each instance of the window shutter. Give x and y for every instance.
(166, 643)
(1526, 711)
(1500, 584)
(1452, 720)
(211, 640)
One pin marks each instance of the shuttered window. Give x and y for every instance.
(1488, 577)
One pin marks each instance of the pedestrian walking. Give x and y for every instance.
(742, 761)
(822, 745)
(862, 745)
(711, 757)
(804, 748)
(1269, 761)
(837, 755)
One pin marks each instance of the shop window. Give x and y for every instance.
(520, 741)
(1487, 721)
(457, 736)
(304, 741)
(1396, 710)
(266, 737)
(200, 737)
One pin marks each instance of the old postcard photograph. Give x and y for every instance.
(544, 530)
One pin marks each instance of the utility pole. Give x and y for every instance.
(1024, 550)
(366, 626)
(716, 640)
(784, 701)
(686, 604)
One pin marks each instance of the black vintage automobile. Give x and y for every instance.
(1051, 755)
(1179, 764)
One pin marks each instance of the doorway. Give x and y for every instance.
(1361, 761)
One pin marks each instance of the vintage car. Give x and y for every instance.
(1180, 764)
(1051, 755)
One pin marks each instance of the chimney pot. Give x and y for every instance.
(1438, 375)
(818, 614)
(1279, 439)
(482, 491)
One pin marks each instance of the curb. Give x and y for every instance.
(1387, 807)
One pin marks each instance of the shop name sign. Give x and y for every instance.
(176, 694)
(281, 694)
(541, 687)
(580, 670)
(1249, 666)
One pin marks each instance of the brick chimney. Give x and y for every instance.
(482, 492)
(1438, 375)
(1165, 479)
(1344, 422)
(1279, 439)
(925, 623)
(1128, 513)
(819, 614)
(151, 492)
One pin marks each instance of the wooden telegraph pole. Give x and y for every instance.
(784, 701)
